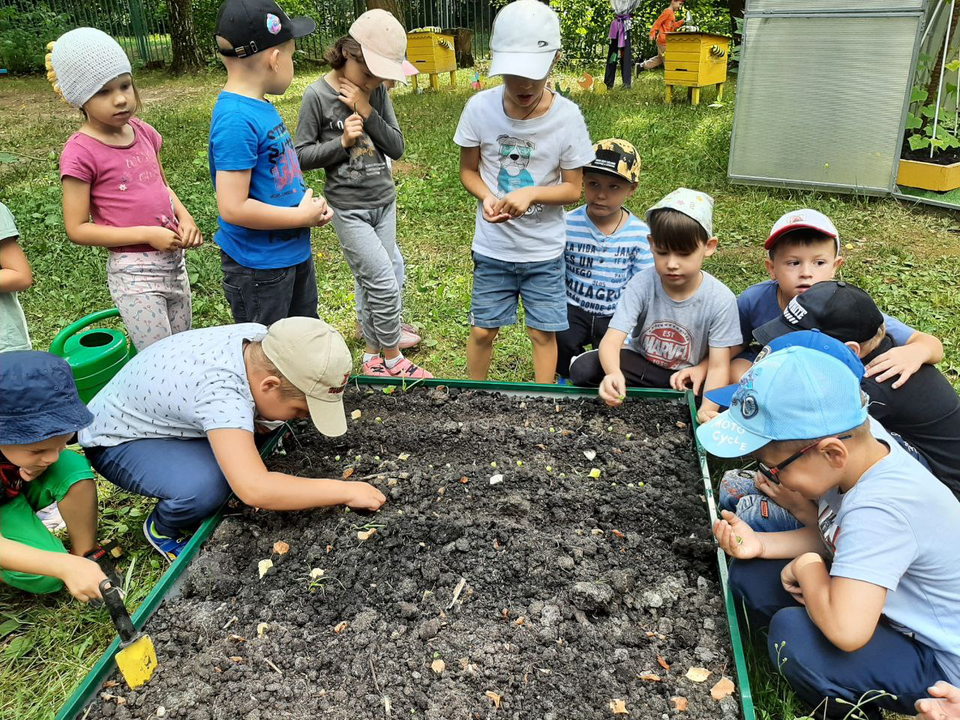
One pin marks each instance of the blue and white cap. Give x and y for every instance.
(793, 394)
(813, 339)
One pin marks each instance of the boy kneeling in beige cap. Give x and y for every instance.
(178, 422)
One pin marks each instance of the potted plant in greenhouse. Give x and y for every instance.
(931, 147)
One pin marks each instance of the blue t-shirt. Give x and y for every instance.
(249, 134)
(599, 266)
(899, 528)
(758, 305)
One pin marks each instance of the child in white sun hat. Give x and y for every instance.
(347, 127)
(522, 150)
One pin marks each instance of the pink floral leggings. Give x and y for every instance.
(152, 293)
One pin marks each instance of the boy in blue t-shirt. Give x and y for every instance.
(606, 246)
(863, 606)
(266, 210)
(804, 249)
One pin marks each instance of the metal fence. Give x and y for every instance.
(140, 26)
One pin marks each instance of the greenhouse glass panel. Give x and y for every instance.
(816, 106)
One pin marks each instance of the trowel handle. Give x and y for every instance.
(118, 611)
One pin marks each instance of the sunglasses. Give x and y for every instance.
(772, 473)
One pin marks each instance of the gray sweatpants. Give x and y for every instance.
(399, 269)
(369, 241)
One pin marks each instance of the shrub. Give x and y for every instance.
(24, 35)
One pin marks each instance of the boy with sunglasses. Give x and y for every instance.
(863, 607)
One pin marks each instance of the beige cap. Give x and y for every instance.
(315, 359)
(383, 42)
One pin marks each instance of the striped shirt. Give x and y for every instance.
(599, 266)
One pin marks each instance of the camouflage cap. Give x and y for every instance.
(616, 157)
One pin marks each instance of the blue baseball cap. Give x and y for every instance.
(793, 394)
(40, 398)
(813, 339)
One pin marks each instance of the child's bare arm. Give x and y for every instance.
(739, 540)
(238, 208)
(920, 349)
(846, 611)
(718, 373)
(256, 486)
(474, 184)
(81, 576)
(614, 385)
(189, 232)
(15, 272)
(517, 203)
(83, 231)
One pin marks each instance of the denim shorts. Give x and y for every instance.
(498, 285)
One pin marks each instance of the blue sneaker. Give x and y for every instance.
(169, 547)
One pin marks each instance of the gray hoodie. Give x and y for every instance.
(357, 177)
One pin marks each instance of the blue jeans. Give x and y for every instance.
(498, 285)
(182, 474)
(265, 296)
(815, 667)
(739, 494)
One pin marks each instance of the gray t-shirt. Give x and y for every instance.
(180, 387)
(13, 324)
(358, 177)
(672, 334)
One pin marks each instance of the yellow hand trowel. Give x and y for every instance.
(136, 658)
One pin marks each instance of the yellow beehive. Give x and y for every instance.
(696, 60)
(432, 53)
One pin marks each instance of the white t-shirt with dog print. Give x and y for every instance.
(520, 153)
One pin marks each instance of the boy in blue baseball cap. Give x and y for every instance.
(868, 599)
(41, 413)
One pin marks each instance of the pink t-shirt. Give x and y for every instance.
(126, 186)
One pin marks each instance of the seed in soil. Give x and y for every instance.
(597, 609)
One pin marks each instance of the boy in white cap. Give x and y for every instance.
(672, 315)
(266, 209)
(522, 150)
(863, 606)
(803, 249)
(178, 422)
(347, 127)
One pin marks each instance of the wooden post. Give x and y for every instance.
(695, 95)
(453, 78)
(669, 94)
(719, 92)
(434, 81)
(413, 81)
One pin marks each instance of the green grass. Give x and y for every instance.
(907, 256)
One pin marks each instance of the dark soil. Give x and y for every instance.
(571, 587)
(940, 157)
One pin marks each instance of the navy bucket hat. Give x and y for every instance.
(38, 398)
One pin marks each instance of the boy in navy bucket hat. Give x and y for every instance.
(865, 603)
(40, 413)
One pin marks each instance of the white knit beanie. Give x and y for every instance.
(84, 60)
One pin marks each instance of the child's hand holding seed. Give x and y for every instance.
(364, 496)
(736, 538)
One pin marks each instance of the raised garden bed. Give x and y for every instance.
(513, 573)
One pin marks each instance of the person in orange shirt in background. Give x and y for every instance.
(666, 23)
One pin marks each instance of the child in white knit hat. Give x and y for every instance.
(115, 194)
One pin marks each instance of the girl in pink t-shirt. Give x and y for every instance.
(115, 194)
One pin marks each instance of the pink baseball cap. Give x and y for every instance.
(805, 219)
(383, 42)
(409, 69)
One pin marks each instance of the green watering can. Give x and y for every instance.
(94, 356)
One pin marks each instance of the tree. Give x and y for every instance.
(391, 6)
(183, 38)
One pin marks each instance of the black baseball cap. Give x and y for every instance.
(838, 309)
(254, 25)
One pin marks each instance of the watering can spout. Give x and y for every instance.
(94, 356)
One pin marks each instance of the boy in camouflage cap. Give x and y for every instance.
(606, 246)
